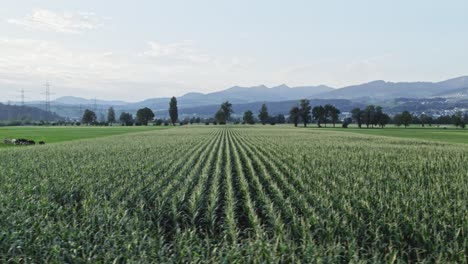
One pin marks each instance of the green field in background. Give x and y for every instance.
(60, 134)
(450, 135)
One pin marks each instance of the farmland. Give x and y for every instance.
(60, 134)
(235, 194)
(450, 134)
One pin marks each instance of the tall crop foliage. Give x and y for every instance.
(235, 195)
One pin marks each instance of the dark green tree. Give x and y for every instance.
(263, 114)
(464, 120)
(226, 107)
(384, 119)
(249, 117)
(294, 114)
(280, 119)
(220, 117)
(357, 114)
(379, 114)
(368, 116)
(406, 118)
(224, 113)
(332, 113)
(111, 115)
(458, 119)
(318, 113)
(424, 119)
(346, 122)
(144, 116)
(304, 111)
(89, 117)
(173, 110)
(126, 119)
(397, 120)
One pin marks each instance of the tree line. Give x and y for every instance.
(370, 116)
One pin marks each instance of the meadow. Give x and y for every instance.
(448, 134)
(240, 194)
(62, 133)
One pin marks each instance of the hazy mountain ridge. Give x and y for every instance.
(378, 92)
(15, 112)
(237, 94)
(460, 93)
(388, 90)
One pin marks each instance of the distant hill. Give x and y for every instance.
(274, 108)
(72, 100)
(388, 90)
(237, 95)
(460, 93)
(14, 113)
(379, 92)
(283, 92)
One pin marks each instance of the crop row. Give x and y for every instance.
(235, 194)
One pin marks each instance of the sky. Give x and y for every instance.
(133, 50)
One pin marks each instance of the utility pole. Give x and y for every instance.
(47, 94)
(22, 96)
(95, 105)
(47, 97)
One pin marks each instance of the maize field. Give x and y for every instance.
(235, 194)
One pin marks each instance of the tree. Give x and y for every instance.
(346, 122)
(328, 109)
(248, 117)
(384, 119)
(144, 115)
(424, 119)
(465, 120)
(332, 112)
(380, 117)
(318, 113)
(126, 119)
(173, 111)
(226, 107)
(224, 113)
(397, 120)
(280, 119)
(406, 118)
(89, 117)
(458, 120)
(304, 111)
(263, 114)
(294, 115)
(220, 117)
(111, 115)
(357, 114)
(368, 116)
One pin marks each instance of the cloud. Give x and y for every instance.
(181, 54)
(158, 70)
(66, 22)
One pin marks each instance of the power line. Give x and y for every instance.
(47, 94)
(95, 105)
(22, 97)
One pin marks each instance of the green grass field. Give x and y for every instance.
(60, 134)
(450, 135)
(235, 194)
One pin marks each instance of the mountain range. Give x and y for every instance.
(381, 92)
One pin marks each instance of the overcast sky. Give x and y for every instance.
(132, 50)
